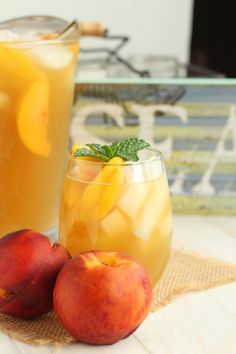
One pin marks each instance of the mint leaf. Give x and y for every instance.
(127, 149)
(128, 156)
(131, 145)
(102, 149)
(90, 153)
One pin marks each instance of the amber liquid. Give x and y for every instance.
(134, 218)
(35, 104)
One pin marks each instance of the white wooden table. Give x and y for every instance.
(195, 323)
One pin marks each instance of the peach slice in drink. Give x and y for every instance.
(81, 146)
(32, 118)
(83, 172)
(101, 194)
(78, 239)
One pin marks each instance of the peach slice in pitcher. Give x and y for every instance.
(32, 118)
(16, 70)
(29, 91)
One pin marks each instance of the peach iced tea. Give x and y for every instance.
(118, 206)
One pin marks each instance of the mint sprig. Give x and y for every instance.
(127, 149)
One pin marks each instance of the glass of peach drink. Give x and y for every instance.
(118, 205)
(37, 68)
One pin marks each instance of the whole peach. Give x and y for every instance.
(29, 265)
(102, 297)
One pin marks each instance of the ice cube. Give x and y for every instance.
(52, 57)
(146, 218)
(115, 224)
(136, 193)
(133, 198)
(153, 168)
(4, 100)
(8, 36)
(151, 212)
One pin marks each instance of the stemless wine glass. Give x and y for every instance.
(37, 66)
(119, 206)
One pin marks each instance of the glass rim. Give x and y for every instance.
(156, 156)
(41, 41)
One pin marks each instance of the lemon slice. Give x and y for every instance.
(102, 193)
(32, 117)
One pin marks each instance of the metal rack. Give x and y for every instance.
(113, 56)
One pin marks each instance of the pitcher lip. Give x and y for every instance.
(157, 155)
(38, 41)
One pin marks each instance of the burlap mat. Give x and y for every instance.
(186, 271)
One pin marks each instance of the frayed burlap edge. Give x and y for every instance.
(186, 271)
(44, 330)
(189, 271)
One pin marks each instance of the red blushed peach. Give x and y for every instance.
(29, 265)
(102, 297)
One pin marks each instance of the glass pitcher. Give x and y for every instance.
(38, 57)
